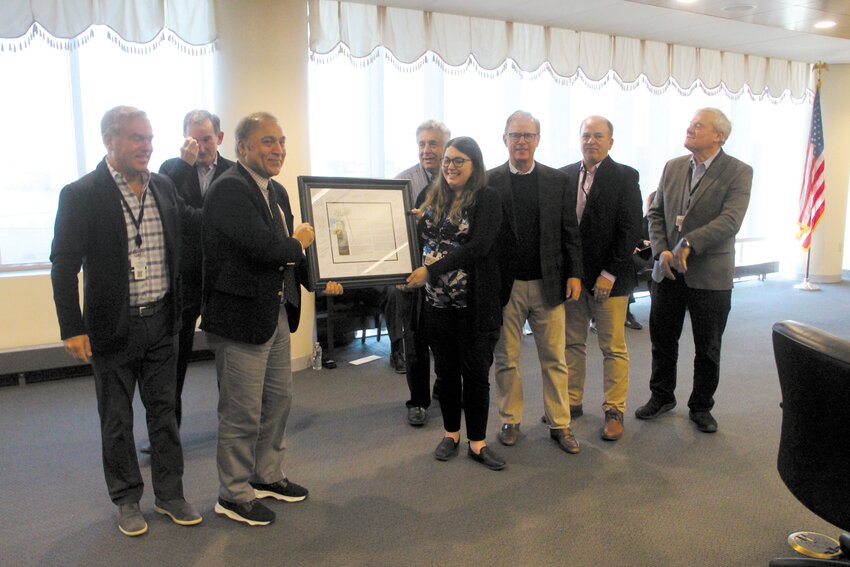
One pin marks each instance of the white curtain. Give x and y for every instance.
(137, 26)
(410, 36)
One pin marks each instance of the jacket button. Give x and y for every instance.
(280, 269)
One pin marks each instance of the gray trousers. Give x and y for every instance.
(255, 396)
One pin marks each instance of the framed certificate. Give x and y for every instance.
(365, 234)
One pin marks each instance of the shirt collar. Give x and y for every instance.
(515, 171)
(262, 181)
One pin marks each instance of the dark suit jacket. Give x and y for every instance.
(90, 231)
(560, 247)
(185, 178)
(714, 217)
(244, 258)
(610, 225)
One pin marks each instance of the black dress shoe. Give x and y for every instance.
(565, 440)
(447, 449)
(653, 408)
(329, 363)
(509, 434)
(704, 421)
(416, 416)
(632, 323)
(487, 458)
(398, 363)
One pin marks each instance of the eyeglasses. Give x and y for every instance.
(528, 136)
(457, 162)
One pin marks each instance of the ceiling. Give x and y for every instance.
(771, 28)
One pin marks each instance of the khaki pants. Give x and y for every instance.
(527, 302)
(610, 316)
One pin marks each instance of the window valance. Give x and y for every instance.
(137, 26)
(364, 31)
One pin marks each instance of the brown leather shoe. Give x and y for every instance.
(613, 428)
(509, 434)
(565, 440)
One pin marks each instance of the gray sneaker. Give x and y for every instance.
(130, 520)
(180, 511)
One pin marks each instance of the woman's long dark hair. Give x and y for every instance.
(440, 196)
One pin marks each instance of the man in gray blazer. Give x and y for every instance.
(409, 348)
(698, 210)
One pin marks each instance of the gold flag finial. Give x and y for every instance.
(818, 67)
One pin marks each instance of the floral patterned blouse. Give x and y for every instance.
(439, 238)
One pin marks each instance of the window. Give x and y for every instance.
(52, 121)
(368, 129)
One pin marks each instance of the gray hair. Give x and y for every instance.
(521, 114)
(197, 117)
(250, 123)
(721, 124)
(110, 124)
(435, 126)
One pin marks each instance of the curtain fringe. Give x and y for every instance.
(72, 43)
(341, 50)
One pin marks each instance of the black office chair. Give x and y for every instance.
(814, 448)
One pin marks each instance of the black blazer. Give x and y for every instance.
(185, 178)
(560, 247)
(610, 225)
(90, 231)
(244, 258)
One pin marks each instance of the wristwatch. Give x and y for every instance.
(685, 243)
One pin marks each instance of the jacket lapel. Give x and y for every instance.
(110, 197)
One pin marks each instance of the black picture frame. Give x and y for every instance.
(365, 234)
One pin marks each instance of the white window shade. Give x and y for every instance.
(142, 23)
(357, 30)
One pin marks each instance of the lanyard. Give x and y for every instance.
(136, 222)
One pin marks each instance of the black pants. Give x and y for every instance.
(709, 311)
(185, 342)
(462, 360)
(148, 360)
(417, 354)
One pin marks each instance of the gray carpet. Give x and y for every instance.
(663, 495)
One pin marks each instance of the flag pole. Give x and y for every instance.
(807, 285)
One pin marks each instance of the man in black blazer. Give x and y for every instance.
(122, 224)
(698, 209)
(607, 201)
(541, 267)
(254, 267)
(198, 166)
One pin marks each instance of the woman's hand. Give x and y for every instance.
(418, 277)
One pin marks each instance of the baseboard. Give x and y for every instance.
(50, 362)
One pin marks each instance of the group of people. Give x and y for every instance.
(521, 242)
(525, 243)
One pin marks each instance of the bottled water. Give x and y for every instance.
(316, 357)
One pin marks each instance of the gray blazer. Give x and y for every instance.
(418, 180)
(712, 220)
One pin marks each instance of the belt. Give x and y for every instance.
(149, 309)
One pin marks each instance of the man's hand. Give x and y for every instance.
(303, 233)
(333, 288)
(602, 289)
(573, 289)
(79, 347)
(189, 151)
(418, 277)
(666, 258)
(680, 257)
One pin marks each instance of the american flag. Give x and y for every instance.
(812, 202)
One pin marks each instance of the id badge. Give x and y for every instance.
(680, 220)
(138, 267)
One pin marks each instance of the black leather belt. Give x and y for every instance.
(149, 309)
